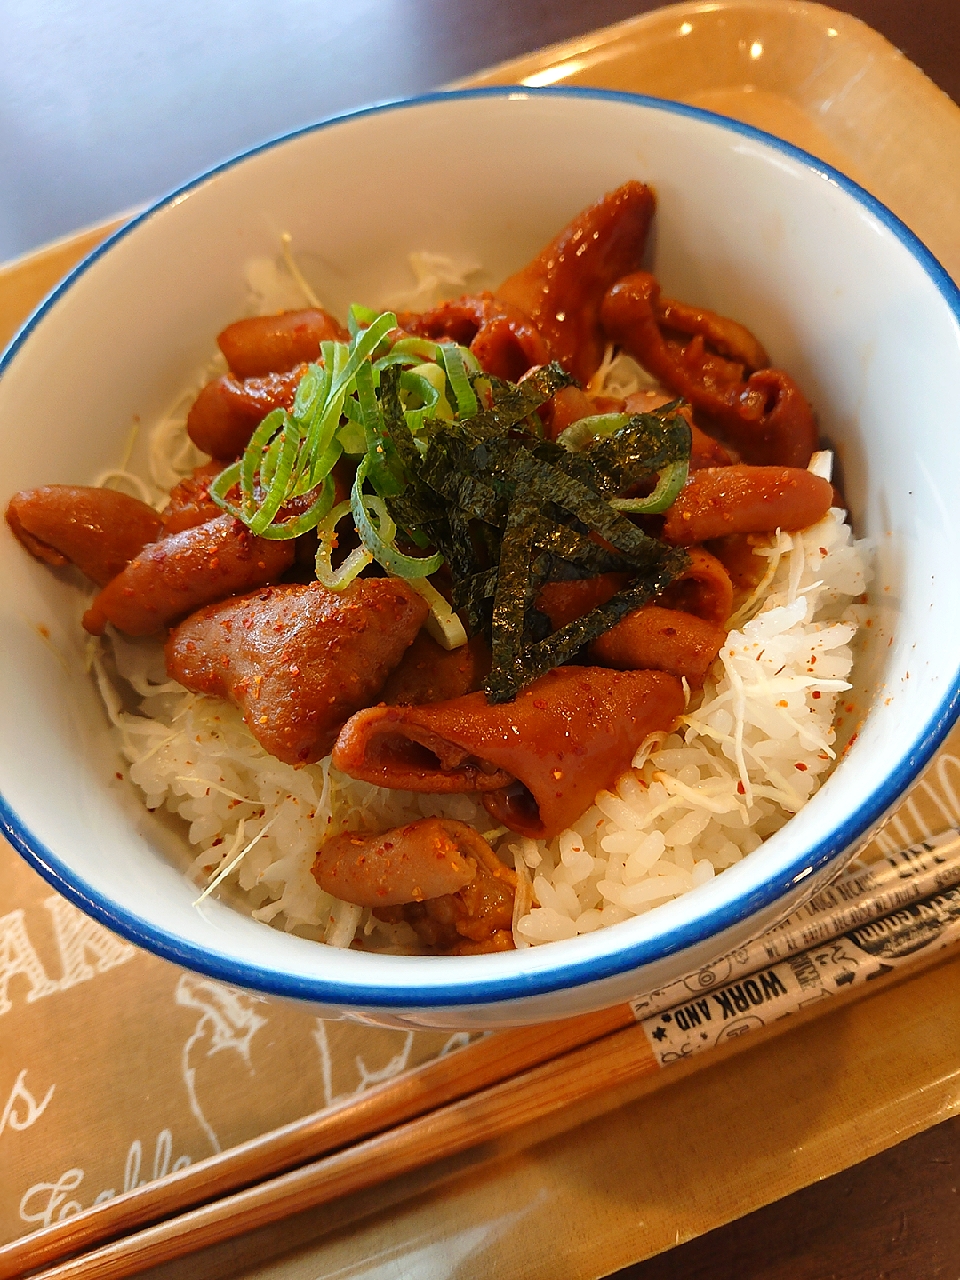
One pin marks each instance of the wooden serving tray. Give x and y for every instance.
(177, 1102)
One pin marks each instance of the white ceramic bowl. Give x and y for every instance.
(839, 291)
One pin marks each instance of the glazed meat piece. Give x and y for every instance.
(429, 673)
(172, 577)
(710, 361)
(190, 502)
(705, 451)
(662, 640)
(704, 589)
(502, 338)
(564, 602)
(539, 761)
(727, 337)
(273, 344)
(298, 660)
(653, 637)
(476, 920)
(722, 500)
(562, 289)
(226, 412)
(422, 860)
(98, 530)
(564, 408)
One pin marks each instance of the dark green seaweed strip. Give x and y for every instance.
(504, 683)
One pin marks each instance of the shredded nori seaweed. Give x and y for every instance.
(511, 511)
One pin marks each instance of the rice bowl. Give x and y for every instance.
(97, 849)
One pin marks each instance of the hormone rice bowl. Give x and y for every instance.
(684, 530)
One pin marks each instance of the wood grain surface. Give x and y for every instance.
(896, 1215)
(470, 36)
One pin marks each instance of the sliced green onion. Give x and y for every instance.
(395, 357)
(358, 318)
(380, 542)
(428, 383)
(308, 519)
(359, 557)
(672, 479)
(281, 462)
(442, 623)
(422, 347)
(221, 487)
(380, 458)
(253, 456)
(352, 438)
(453, 362)
(585, 430)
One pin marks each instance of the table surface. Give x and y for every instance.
(154, 96)
(106, 104)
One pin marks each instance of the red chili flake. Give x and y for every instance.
(741, 789)
(801, 766)
(118, 776)
(848, 707)
(823, 551)
(783, 703)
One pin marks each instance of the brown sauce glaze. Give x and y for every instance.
(298, 660)
(660, 639)
(414, 863)
(190, 502)
(172, 577)
(429, 673)
(259, 345)
(562, 289)
(568, 735)
(227, 411)
(475, 920)
(98, 530)
(742, 499)
(762, 411)
(501, 336)
(703, 589)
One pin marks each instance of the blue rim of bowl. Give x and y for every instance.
(478, 990)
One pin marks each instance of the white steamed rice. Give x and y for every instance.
(750, 750)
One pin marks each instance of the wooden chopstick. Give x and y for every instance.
(618, 1058)
(489, 1113)
(478, 1065)
(508, 1055)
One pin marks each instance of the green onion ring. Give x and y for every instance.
(672, 479)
